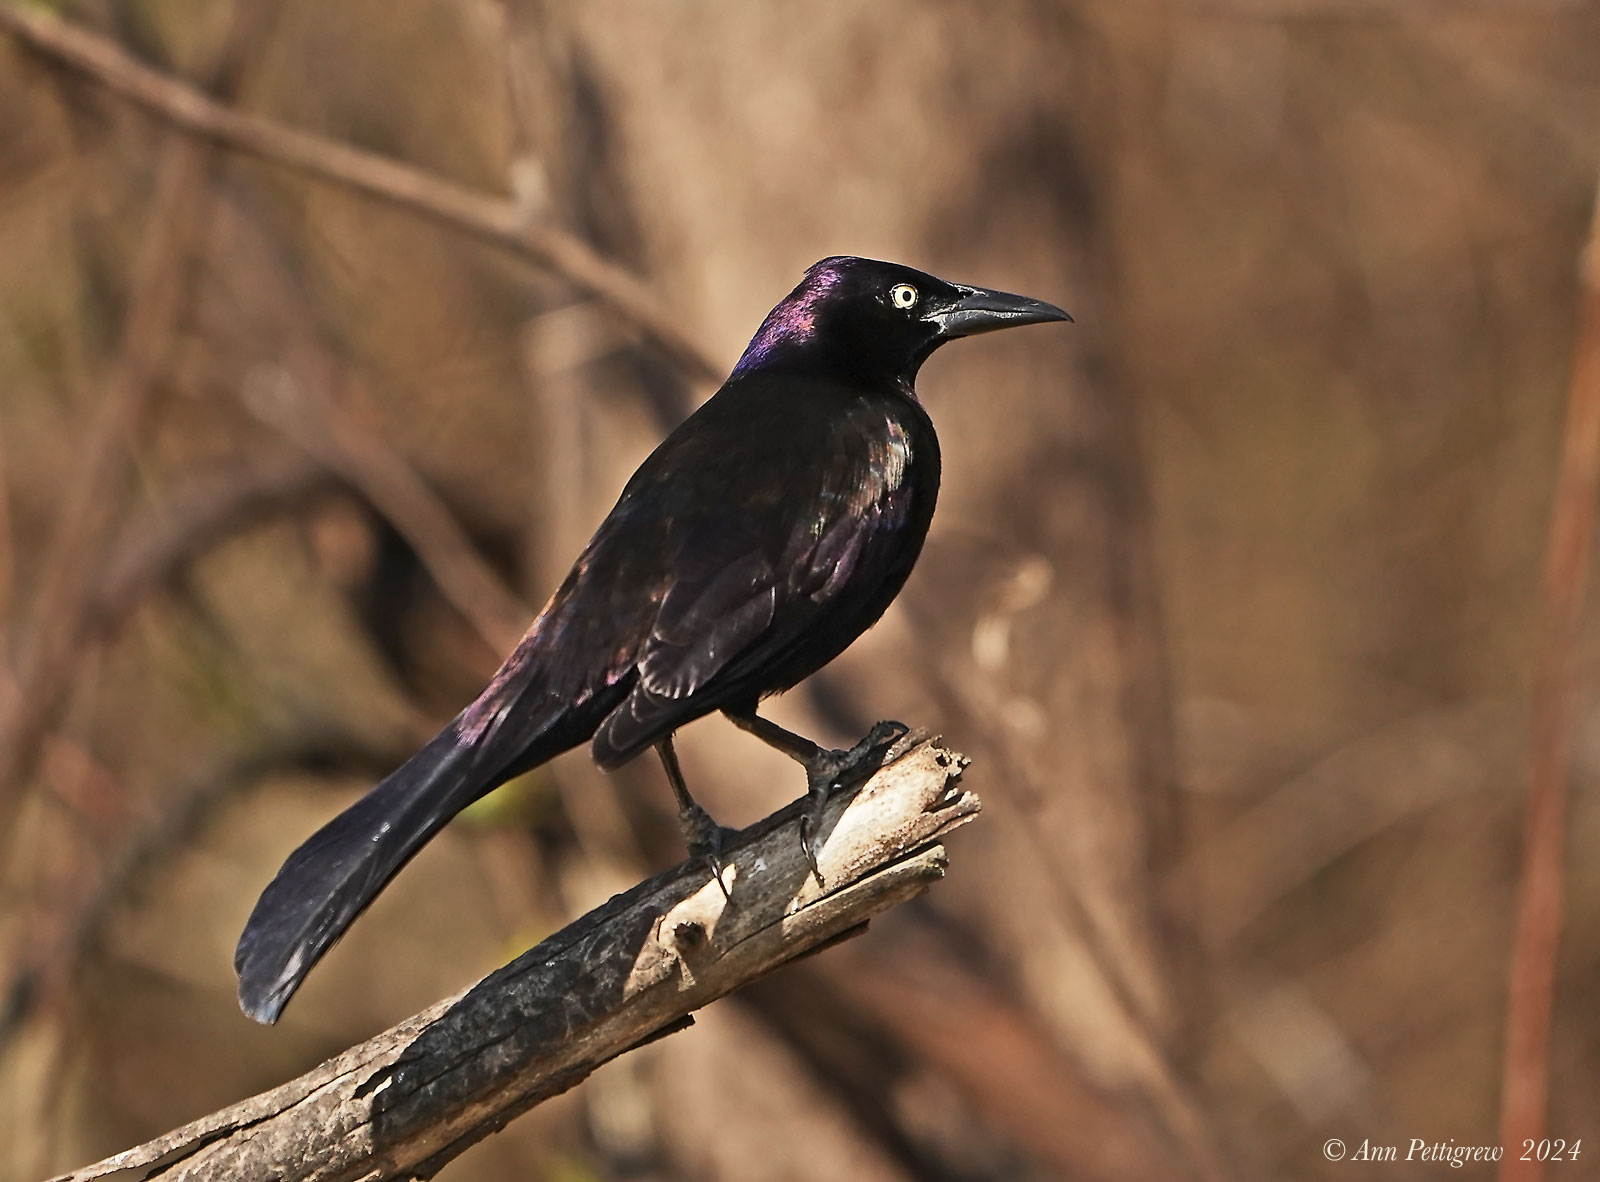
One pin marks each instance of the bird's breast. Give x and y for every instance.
(894, 456)
(884, 470)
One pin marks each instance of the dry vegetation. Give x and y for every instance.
(1233, 596)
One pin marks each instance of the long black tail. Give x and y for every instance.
(326, 883)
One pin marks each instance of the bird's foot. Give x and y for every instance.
(831, 769)
(704, 838)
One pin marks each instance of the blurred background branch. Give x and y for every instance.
(47, 664)
(336, 437)
(501, 221)
(1541, 892)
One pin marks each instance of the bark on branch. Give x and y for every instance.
(405, 1103)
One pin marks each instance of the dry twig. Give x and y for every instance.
(7, 558)
(336, 437)
(1539, 905)
(88, 512)
(407, 1102)
(154, 549)
(501, 222)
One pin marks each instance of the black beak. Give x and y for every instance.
(980, 310)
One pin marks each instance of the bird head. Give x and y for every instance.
(878, 320)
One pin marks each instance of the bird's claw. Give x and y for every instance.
(703, 836)
(830, 770)
(714, 864)
(885, 735)
(810, 823)
(833, 769)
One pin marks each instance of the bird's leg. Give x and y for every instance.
(701, 834)
(826, 769)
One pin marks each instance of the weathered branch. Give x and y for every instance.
(405, 1103)
(497, 220)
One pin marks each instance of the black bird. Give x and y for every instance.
(763, 535)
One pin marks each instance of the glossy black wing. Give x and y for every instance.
(801, 536)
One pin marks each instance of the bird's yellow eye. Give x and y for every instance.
(903, 295)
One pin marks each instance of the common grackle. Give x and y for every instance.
(763, 535)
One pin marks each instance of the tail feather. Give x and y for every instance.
(332, 878)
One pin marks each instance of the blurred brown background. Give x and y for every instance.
(1232, 594)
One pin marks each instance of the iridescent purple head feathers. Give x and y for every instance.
(794, 320)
